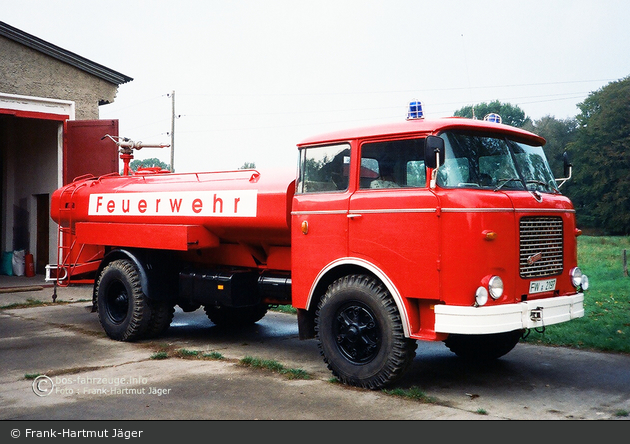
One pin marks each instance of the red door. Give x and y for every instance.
(319, 232)
(393, 227)
(85, 151)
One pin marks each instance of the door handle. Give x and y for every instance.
(354, 215)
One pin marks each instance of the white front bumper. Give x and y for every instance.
(508, 317)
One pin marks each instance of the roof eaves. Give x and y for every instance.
(63, 55)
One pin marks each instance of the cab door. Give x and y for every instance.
(393, 217)
(319, 231)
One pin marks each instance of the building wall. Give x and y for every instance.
(25, 71)
(43, 91)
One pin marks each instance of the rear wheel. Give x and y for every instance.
(483, 347)
(123, 310)
(161, 317)
(360, 333)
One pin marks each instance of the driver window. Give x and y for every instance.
(393, 164)
(324, 168)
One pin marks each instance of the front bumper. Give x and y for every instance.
(508, 317)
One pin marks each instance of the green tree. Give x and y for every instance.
(601, 157)
(248, 166)
(510, 114)
(148, 163)
(558, 134)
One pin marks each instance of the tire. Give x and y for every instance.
(483, 347)
(161, 317)
(360, 333)
(235, 317)
(123, 310)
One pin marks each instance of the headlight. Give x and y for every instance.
(481, 296)
(495, 287)
(584, 282)
(576, 277)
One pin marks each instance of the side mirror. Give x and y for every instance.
(568, 167)
(433, 151)
(567, 164)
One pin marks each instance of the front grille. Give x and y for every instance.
(541, 246)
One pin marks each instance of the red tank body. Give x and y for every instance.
(187, 211)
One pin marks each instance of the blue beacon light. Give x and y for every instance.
(415, 110)
(493, 117)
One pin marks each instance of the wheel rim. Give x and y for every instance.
(117, 302)
(357, 333)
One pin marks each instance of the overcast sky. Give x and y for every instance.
(254, 78)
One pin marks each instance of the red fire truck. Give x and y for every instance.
(447, 230)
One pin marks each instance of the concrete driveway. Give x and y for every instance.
(85, 375)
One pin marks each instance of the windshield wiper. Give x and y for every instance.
(503, 182)
(541, 183)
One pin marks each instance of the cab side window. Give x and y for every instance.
(393, 164)
(324, 168)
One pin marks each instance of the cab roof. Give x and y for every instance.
(424, 127)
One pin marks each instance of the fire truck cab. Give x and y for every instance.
(452, 229)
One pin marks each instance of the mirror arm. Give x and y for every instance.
(435, 170)
(564, 179)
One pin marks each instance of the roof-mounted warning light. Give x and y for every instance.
(493, 117)
(415, 110)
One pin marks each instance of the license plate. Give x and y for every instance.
(542, 286)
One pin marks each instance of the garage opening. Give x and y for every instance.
(29, 171)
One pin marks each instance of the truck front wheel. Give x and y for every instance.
(360, 333)
(123, 310)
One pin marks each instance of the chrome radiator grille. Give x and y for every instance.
(541, 246)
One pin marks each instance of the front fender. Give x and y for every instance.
(356, 265)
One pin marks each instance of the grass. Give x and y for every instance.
(247, 361)
(184, 353)
(160, 355)
(413, 393)
(606, 322)
(289, 309)
(274, 366)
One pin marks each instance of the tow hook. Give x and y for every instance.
(536, 314)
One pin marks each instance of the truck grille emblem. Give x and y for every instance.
(534, 258)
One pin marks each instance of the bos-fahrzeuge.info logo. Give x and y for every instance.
(45, 386)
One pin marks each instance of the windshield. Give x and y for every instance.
(489, 162)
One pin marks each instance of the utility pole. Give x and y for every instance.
(173, 132)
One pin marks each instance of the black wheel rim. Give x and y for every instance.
(357, 333)
(117, 302)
